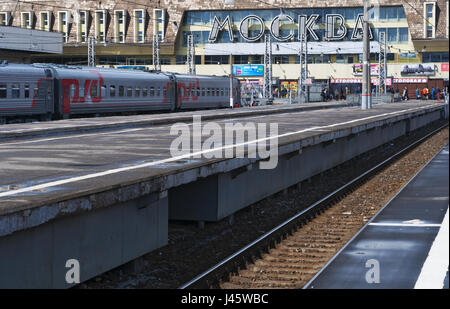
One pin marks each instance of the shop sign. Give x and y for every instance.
(351, 81)
(410, 80)
(358, 69)
(444, 67)
(417, 69)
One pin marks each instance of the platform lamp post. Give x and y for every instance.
(366, 99)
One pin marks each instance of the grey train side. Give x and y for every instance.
(46, 91)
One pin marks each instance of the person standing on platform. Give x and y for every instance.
(433, 94)
(438, 94)
(417, 94)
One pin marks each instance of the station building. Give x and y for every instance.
(229, 35)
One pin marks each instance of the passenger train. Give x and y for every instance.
(50, 91)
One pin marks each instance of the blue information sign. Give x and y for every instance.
(248, 70)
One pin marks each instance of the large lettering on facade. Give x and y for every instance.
(358, 30)
(335, 28)
(333, 33)
(275, 29)
(305, 26)
(218, 26)
(243, 28)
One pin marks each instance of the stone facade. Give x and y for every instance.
(414, 10)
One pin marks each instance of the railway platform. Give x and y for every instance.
(77, 125)
(104, 197)
(405, 246)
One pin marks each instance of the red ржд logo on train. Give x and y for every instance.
(92, 91)
(188, 90)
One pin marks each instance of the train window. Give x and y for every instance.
(198, 92)
(103, 91)
(72, 90)
(2, 91)
(203, 92)
(121, 91)
(152, 91)
(112, 91)
(217, 92)
(144, 91)
(36, 91)
(221, 92)
(138, 91)
(129, 91)
(15, 91)
(164, 91)
(27, 91)
(158, 91)
(94, 90)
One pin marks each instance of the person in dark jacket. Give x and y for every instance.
(405, 94)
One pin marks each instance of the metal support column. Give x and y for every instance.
(156, 53)
(268, 67)
(190, 54)
(303, 60)
(382, 62)
(366, 95)
(91, 51)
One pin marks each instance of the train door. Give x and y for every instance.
(48, 92)
(236, 93)
(172, 93)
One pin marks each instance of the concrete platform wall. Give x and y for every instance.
(219, 196)
(100, 240)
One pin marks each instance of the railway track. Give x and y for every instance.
(290, 254)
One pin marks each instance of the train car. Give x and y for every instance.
(26, 91)
(87, 90)
(47, 91)
(197, 92)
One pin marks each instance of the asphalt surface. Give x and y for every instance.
(121, 154)
(397, 249)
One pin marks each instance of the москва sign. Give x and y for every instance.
(335, 28)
